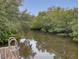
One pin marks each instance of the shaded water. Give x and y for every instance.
(47, 46)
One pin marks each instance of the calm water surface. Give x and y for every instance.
(47, 46)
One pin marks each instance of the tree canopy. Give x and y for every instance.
(54, 20)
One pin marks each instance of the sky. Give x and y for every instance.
(35, 6)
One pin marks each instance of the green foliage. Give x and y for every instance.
(25, 21)
(57, 20)
(54, 20)
(8, 17)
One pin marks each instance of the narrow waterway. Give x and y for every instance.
(47, 46)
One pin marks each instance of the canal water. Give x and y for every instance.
(38, 45)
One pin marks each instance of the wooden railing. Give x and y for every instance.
(11, 51)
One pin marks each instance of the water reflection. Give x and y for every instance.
(35, 52)
(46, 46)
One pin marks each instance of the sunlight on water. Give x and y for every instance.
(39, 54)
(46, 46)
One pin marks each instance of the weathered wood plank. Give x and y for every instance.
(8, 53)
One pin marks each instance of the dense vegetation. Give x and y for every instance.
(57, 20)
(8, 19)
(54, 20)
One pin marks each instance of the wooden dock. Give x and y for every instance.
(10, 52)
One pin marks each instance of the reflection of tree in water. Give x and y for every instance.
(61, 45)
(60, 48)
(43, 46)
